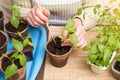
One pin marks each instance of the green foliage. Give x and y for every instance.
(14, 20)
(108, 40)
(71, 32)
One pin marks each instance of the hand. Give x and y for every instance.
(80, 32)
(38, 16)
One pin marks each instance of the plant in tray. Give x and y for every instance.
(16, 23)
(59, 54)
(103, 48)
(13, 63)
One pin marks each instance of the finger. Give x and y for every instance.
(41, 15)
(34, 23)
(46, 12)
(66, 43)
(82, 43)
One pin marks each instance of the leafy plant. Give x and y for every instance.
(12, 69)
(71, 32)
(14, 19)
(108, 39)
(26, 40)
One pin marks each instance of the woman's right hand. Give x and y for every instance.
(38, 16)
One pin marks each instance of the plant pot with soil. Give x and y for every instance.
(115, 67)
(3, 42)
(13, 63)
(59, 54)
(1, 20)
(16, 23)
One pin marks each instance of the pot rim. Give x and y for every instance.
(54, 54)
(15, 32)
(6, 39)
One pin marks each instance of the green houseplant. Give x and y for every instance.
(103, 48)
(13, 63)
(16, 23)
(59, 54)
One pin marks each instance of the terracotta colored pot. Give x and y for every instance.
(13, 32)
(3, 42)
(21, 72)
(1, 21)
(58, 60)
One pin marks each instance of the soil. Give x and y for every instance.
(6, 62)
(117, 66)
(21, 27)
(28, 52)
(1, 21)
(57, 49)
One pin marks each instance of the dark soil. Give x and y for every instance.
(6, 62)
(28, 52)
(57, 49)
(117, 66)
(22, 26)
(1, 21)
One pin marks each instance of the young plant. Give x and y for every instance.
(26, 40)
(108, 40)
(14, 19)
(71, 32)
(12, 69)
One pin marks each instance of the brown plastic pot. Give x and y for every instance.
(21, 72)
(13, 32)
(3, 42)
(1, 21)
(58, 60)
(116, 73)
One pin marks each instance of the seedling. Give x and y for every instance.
(14, 19)
(12, 69)
(71, 32)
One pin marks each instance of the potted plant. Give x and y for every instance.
(103, 48)
(16, 23)
(59, 54)
(13, 63)
(3, 42)
(27, 46)
(1, 21)
(116, 67)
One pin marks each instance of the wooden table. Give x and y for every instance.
(76, 68)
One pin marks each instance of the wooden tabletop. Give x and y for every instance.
(76, 67)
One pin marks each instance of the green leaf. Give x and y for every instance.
(117, 58)
(111, 1)
(15, 55)
(61, 37)
(22, 59)
(14, 21)
(84, 15)
(73, 39)
(107, 56)
(10, 70)
(79, 12)
(16, 12)
(5, 55)
(20, 34)
(95, 11)
(92, 58)
(101, 47)
(94, 49)
(103, 39)
(25, 42)
(17, 44)
(69, 29)
(70, 23)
